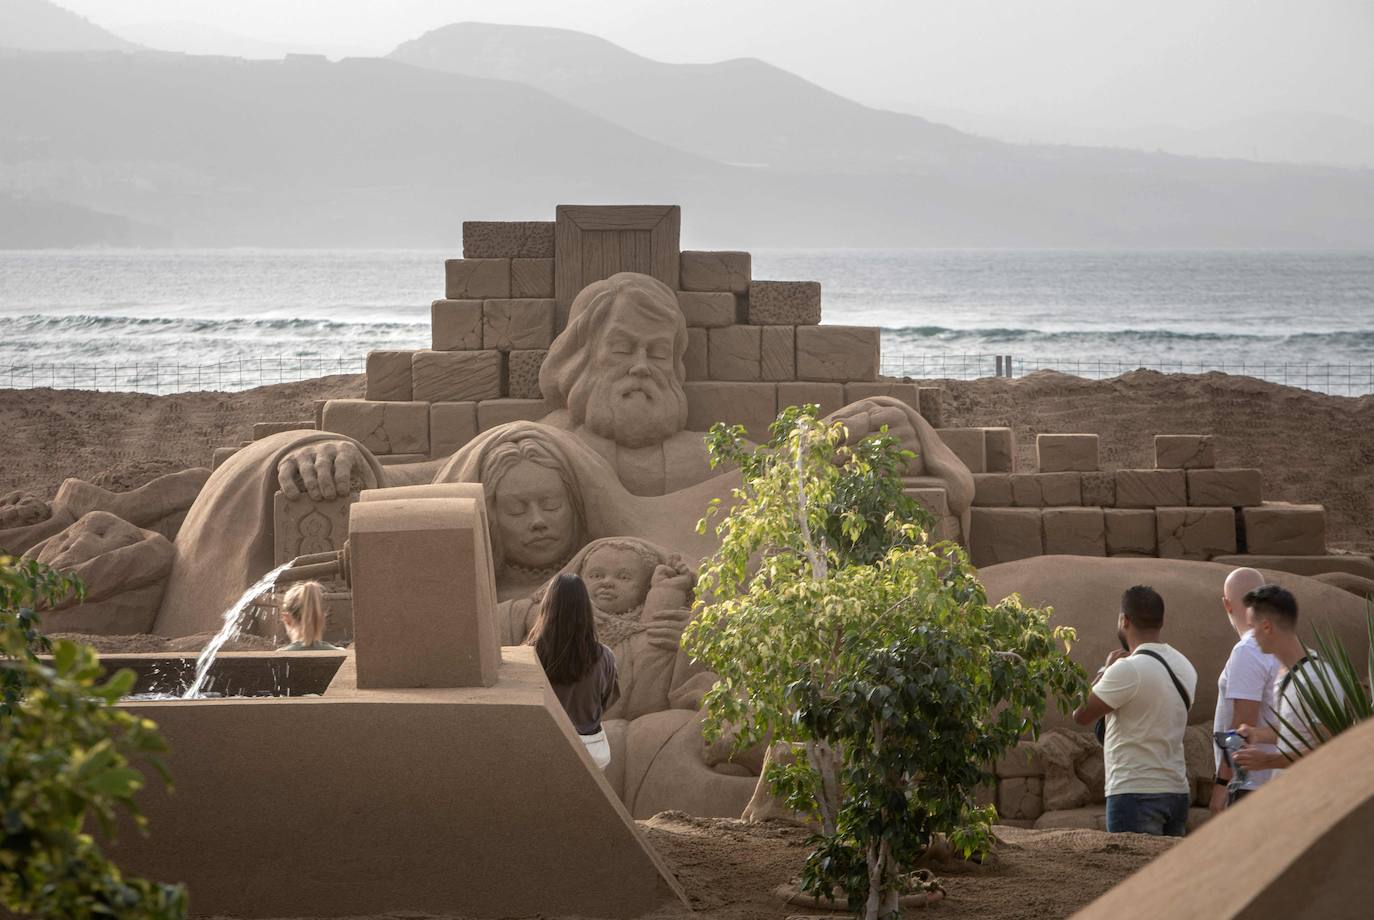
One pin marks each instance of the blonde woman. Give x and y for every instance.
(302, 614)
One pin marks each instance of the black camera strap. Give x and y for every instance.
(1183, 694)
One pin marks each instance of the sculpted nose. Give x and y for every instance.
(537, 521)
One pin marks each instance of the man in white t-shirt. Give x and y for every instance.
(1145, 691)
(1245, 689)
(1297, 730)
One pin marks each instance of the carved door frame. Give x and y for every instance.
(577, 264)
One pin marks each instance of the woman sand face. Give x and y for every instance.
(617, 578)
(534, 516)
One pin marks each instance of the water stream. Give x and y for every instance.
(232, 616)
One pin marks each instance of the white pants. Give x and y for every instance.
(599, 748)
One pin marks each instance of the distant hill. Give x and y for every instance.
(374, 152)
(37, 25)
(743, 111)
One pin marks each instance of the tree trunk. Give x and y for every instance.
(825, 761)
(873, 855)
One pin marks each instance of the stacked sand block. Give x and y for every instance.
(1184, 508)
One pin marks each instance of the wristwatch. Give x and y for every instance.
(1221, 782)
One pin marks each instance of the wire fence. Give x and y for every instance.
(246, 373)
(162, 378)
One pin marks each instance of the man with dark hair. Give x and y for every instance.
(1144, 690)
(1273, 613)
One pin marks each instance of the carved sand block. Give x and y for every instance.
(827, 396)
(753, 405)
(381, 427)
(451, 425)
(1184, 451)
(969, 445)
(735, 353)
(304, 527)
(1099, 489)
(594, 243)
(508, 239)
(1131, 532)
(423, 611)
(531, 277)
(517, 324)
(493, 412)
(841, 353)
(992, 490)
(1043, 490)
(1151, 488)
(708, 309)
(778, 352)
(456, 325)
(1005, 534)
(1061, 453)
(933, 406)
(1000, 450)
(716, 271)
(476, 279)
(1074, 532)
(388, 377)
(785, 303)
(457, 376)
(1284, 529)
(522, 373)
(1230, 488)
(1195, 533)
(908, 393)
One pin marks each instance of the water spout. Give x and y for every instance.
(228, 630)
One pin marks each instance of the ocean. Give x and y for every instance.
(1265, 313)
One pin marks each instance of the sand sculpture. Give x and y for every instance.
(429, 732)
(123, 568)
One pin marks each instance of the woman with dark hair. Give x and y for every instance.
(580, 669)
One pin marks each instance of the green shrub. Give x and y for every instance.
(66, 756)
(833, 622)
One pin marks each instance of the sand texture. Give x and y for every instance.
(729, 870)
(1311, 447)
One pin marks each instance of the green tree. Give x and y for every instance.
(1330, 703)
(66, 756)
(833, 621)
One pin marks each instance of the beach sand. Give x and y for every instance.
(1311, 447)
(729, 870)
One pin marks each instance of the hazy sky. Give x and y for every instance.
(1083, 69)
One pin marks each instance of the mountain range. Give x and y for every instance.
(474, 121)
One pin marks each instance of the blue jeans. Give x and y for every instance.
(1163, 814)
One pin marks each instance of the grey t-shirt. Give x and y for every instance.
(587, 698)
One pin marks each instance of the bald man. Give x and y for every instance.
(1244, 689)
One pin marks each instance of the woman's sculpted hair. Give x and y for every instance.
(305, 605)
(502, 455)
(564, 635)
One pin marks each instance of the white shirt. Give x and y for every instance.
(1292, 710)
(1144, 744)
(1249, 674)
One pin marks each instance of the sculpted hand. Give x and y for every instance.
(19, 509)
(865, 418)
(324, 470)
(670, 588)
(664, 636)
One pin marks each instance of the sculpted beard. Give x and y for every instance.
(632, 411)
